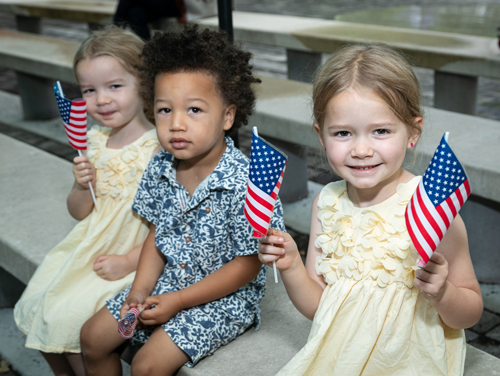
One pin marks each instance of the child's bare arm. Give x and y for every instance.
(115, 267)
(448, 280)
(229, 278)
(79, 201)
(149, 269)
(303, 285)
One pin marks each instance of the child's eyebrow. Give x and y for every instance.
(196, 99)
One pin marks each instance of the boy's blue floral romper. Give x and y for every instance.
(198, 235)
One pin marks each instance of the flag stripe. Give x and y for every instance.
(76, 138)
(445, 214)
(416, 237)
(421, 228)
(434, 229)
(70, 129)
(259, 196)
(255, 207)
(432, 210)
(255, 225)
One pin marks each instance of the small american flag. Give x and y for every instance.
(267, 167)
(441, 193)
(74, 116)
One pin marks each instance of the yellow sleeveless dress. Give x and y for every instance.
(371, 320)
(65, 291)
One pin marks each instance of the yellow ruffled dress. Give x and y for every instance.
(65, 291)
(371, 320)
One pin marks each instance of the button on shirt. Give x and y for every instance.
(199, 234)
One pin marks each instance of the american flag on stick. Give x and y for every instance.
(441, 193)
(267, 167)
(74, 116)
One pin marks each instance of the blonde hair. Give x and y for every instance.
(374, 67)
(124, 46)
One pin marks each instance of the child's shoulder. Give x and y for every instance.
(233, 167)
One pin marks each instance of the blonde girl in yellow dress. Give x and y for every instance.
(374, 312)
(98, 258)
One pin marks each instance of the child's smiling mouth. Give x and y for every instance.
(364, 168)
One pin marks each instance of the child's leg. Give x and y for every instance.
(76, 362)
(59, 364)
(100, 340)
(159, 356)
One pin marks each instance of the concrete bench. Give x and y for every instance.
(33, 218)
(29, 13)
(458, 60)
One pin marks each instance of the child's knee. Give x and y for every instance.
(146, 363)
(98, 337)
(140, 367)
(87, 338)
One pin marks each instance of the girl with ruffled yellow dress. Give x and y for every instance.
(374, 311)
(98, 258)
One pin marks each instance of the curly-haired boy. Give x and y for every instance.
(199, 279)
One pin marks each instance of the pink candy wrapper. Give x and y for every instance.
(127, 324)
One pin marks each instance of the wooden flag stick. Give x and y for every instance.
(90, 186)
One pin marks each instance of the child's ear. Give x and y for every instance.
(229, 114)
(415, 132)
(318, 131)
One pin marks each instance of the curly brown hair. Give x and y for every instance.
(200, 51)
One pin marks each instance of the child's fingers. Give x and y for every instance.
(271, 239)
(80, 159)
(268, 259)
(423, 275)
(99, 259)
(437, 260)
(150, 316)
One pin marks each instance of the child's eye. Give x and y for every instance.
(381, 131)
(194, 110)
(87, 91)
(115, 86)
(164, 110)
(343, 134)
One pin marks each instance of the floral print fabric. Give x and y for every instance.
(198, 235)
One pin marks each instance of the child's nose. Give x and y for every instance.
(102, 99)
(362, 149)
(178, 122)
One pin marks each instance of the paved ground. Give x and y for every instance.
(269, 61)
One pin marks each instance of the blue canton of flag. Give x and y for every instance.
(444, 174)
(267, 167)
(441, 193)
(64, 108)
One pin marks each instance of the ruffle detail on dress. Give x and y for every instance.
(119, 173)
(365, 243)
